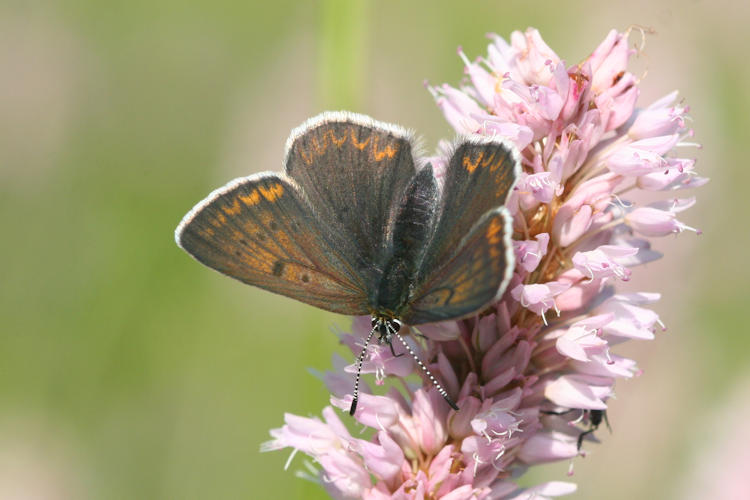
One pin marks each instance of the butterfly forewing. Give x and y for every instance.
(480, 174)
(261, 231)
(470, 279)
(353, 170)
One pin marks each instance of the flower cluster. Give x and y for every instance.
(534, 372)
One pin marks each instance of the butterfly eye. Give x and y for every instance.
(396, 325)
(373, 322)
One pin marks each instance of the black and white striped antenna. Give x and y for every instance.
(427, 372)
(391, 329)
(359, 371)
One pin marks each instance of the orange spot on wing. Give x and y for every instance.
(234, 209)
(463, 289)
(272, 192)
(359, 145)
(489, 159)
(380, 154)
(497, 164)
(336, 140)
(307, 157)
(219, 220)
(470, 165)
(251, 199)
(493, 231)
(318, 147)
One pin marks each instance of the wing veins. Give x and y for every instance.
(287, 258)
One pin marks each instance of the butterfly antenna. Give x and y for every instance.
(359, 371)
(428, 373)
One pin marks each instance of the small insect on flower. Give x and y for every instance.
(595, 419)
(591, 418)
(353, 226)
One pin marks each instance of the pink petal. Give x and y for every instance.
(578, 391)
(384, 458)
(544, 447)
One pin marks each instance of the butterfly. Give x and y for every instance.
(355, 226)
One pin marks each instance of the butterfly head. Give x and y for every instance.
(386, 327)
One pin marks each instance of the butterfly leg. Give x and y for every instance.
(606, 421)
(583, 435)
(390, 344)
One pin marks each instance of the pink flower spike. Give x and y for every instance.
(457, 108)
(545, 447)
(530, 252)
(660, 145)
(675, 205)
(532, 57)
(660, 118)
(498, 421)
(606, 366)
(580, 343)
(581, 292)
(482, 80)
(576, 215)
(543, 491)
(678, 175)
(630, 320)
(384, 458)
(373, 411)
(609, 61)
(338, 381)
(344, 474)
(539, 298)
(604, 262)
(644, 254)
(632, 161)
(579, 391)
(582, 144)
(650, 221)
(533, 189)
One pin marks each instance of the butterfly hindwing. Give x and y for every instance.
(480, 174)
(469, 258)
(353, 171)
(471, 278)
(261, 231)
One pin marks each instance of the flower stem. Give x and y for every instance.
(341, 37)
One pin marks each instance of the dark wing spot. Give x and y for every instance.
(273, 226)
(238, 253)
(278, 268)
(305, 278)
(260, 236)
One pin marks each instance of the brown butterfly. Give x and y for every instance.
(353, 226)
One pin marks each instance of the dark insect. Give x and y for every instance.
(591, 418)
(353, 226)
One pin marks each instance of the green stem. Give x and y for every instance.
(341, 54)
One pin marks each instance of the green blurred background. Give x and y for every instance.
(129, 371)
